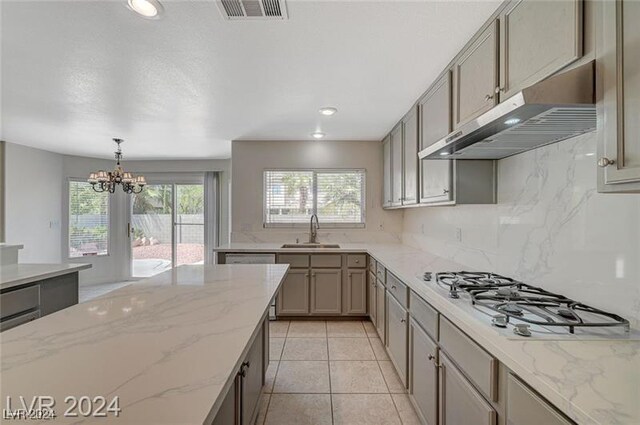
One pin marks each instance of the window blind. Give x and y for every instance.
(292, 196)
(289, 196)
(340, 197)
(88, 220)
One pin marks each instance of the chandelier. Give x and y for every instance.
(106, 181)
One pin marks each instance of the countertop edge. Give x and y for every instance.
(30, 278)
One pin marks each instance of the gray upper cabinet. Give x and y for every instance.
(326, 291)
(475, 76)
(410, 149)
(387, 176)
(619, 66)
(396, 165)
(537, 39)
(435, 123)
(460, 403)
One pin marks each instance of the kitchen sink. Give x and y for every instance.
(310, 245)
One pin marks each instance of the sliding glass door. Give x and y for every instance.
(189, 224)
(166, 227)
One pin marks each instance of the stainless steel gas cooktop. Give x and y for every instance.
(527, 309)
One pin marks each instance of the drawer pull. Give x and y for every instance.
(357, 261)
(393, 287)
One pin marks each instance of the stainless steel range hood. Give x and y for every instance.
(552, 110)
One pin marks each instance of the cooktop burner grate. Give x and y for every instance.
(521, 304)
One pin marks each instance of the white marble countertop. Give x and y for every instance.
(19, 274)
(591, 381)
(168, 346)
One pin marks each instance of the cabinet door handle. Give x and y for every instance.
(402, 320)
(445, 191)
(357, 261)
(393, 286)
(605, 162)
(349, 275)
(488, 97)
(499, 90)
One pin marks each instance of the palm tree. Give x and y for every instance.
(299, 183)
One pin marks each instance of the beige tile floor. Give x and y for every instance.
(333, 373)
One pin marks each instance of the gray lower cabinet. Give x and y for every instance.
(525, 407)
(475, 77)
(460, 403)
(410, 163)
(355, 296)
(22, 304)
(396, 165)
(241, 404)
(381, 319)
(58, 293)
(397, 336)
(228, 411)
(618, 67)
(252, 375)
(372, 297)
(293, 297)
(537, 39)
(423, 379)
(326, 291)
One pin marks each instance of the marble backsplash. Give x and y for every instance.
(550, 228)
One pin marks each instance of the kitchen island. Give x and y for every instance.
(32, 291)
(169, 347)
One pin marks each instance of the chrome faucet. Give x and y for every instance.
(313, 230)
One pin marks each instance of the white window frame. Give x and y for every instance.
(323, 225)
(68, 224)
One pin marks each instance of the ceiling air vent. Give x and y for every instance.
(253, 9)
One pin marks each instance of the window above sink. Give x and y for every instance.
(337, 196)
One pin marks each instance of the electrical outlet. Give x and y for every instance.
(458, 234)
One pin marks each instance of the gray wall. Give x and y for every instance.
(251, 158)
(34, 202)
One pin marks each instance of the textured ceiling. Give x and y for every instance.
(76, 73)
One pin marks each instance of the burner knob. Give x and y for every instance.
(522, 329)
(499, 320)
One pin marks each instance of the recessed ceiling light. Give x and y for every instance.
(150, 9)
(444, 153)
(512, 121)
(328, 111)
(317, 135)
